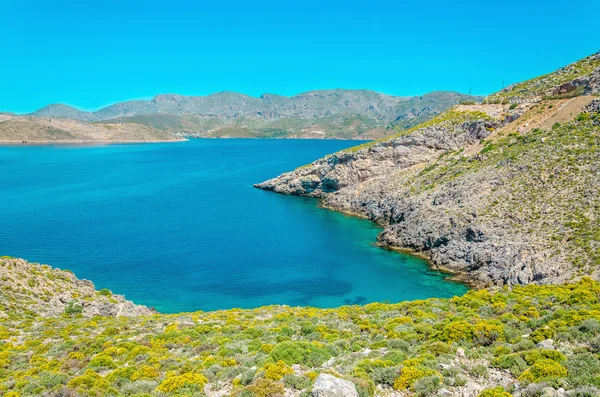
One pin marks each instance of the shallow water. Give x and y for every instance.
(178, 226)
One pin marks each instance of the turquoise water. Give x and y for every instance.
(179, 226)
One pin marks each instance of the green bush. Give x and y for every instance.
(73, 309)
(300, 352)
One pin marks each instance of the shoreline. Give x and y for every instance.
(83, 142)
(455, 276)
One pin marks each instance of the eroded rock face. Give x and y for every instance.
(593, 84)
(464, 223)
(329, 386)
(42, 290)
(347, 168)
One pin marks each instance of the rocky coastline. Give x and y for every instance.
(467, 190)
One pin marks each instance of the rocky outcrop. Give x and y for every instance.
(370, 161)
(473, 209)
(593, 106)
(329, 386)
(41, 290)
(580, 77)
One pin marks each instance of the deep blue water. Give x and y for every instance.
(179, 226)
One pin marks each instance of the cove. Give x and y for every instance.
(178, 226)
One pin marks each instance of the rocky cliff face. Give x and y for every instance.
(35, 289)
(477, 198)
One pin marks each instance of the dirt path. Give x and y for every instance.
(566, 112)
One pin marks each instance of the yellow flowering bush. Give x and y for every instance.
(409, 375)
(277, 371)
(543, 370)
(188, 380)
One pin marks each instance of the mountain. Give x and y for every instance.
(504, 192)
(317, 114)
(64, 111)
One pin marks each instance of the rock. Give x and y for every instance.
(435, 191)
(329, 386)
(329, 363)
(549, 392)
(546, 344)
(75, 294)
(460, 352)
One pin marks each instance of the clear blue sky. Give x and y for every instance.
(93, 53)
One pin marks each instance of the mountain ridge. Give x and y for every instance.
(332, 113)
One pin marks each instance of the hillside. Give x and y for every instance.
(497, 193)
(29, 129)
(527, 340)
(338, 113)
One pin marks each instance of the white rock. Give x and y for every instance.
(546, 344)
(329, 386)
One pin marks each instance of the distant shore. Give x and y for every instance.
(83, 142)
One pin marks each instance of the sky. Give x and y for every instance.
(90, 54)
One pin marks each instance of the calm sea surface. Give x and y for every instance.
(179, 226)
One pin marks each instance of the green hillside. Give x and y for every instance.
(523, 338)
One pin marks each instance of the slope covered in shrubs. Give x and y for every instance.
(513, 340)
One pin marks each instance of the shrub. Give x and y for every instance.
(487, 333)
(145, 372)
(385, 376)
(277, 371)
(105, 292)
(296, 382)
(300, 352)
(457, 330)
(495, 392)
(102, 361)
(138, 388)
(409, 375)
(88, 380)
(73, 309)
(543, 370)
(187, 382)
(427, 386)
(584, 369)
(514, 363)
(266, 388)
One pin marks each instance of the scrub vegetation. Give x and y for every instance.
(529, 336)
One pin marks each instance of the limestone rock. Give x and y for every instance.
(546, 344)
(329, 386)
(38, 293)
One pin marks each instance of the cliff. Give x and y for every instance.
(506, 192)
(41, 291)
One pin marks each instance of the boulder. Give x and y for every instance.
(546, 344)
(329, 386)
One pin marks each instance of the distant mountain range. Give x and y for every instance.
(339, 113)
